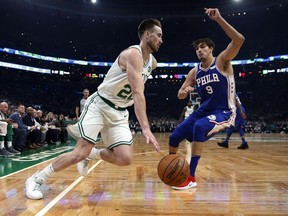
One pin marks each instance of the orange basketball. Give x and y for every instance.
(173, 170)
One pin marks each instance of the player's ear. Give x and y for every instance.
(147, 34)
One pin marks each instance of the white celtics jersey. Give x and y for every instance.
(188, 111)
(115, 86)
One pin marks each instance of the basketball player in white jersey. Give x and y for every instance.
(105, 110)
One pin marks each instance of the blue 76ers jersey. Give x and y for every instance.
(216, 89)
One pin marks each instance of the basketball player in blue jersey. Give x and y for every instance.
(239, 123)
(105, 111)
(215, 85)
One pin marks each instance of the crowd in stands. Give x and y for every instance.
(33, 129)
(27, 128)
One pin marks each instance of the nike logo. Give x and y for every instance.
(125, 116)
(226, 111)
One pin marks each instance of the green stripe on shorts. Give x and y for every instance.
(120, 143)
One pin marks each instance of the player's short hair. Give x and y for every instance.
(86, 90)
(206, 41)
(147, 24)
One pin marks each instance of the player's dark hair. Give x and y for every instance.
(147, 24)
(206, 41)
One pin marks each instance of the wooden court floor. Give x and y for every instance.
(230, 182)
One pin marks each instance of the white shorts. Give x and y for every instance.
(98, 116)
(3, 128)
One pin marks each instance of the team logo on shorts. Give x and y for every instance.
(212, 117)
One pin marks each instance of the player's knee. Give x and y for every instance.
(175, 139)
(125, 160)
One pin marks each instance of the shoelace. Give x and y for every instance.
(37, 187)
(38, 184)
(86, 162)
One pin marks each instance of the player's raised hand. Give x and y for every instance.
(213, 13)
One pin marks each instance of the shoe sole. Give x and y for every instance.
(186, 187)
(30, 197)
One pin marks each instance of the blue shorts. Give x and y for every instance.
(201, 125)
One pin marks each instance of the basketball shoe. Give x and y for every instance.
(189, 183)
(33, 187)
(243, 146)
(82, 167)
(223, 144)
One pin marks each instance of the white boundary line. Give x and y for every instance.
(61, 195)
(27, 168)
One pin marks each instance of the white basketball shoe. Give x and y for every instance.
(82, 167)
(33, 187)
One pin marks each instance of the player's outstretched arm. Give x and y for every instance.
(187, 86)
(237, 39)
(134, 67)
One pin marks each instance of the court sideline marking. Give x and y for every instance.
(62, 194)
(68, 189)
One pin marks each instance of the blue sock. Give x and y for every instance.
(193, 164)
(243, 140)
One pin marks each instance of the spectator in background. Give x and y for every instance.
(53, 133)
(33, 139)
(21, 132)
(41, 119)
(80, 105)
(61, 124)
(6, 132)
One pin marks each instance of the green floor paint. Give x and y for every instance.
(33, 156)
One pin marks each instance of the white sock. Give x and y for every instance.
(1, 144)
(9, 144)
(46, 172)
(95, 154)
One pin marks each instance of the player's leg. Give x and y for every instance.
(225, 143)
(117, 137)
(196, 152)
(89, 125)
(244, 144)
(118, 140)
(80, 152)
(190, 129)
(188, 146)
(183, 131)
(204, 129)
(89, 131)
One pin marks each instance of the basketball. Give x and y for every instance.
(173, 170)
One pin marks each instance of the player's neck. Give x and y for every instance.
(205, 63)
(145, 52)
